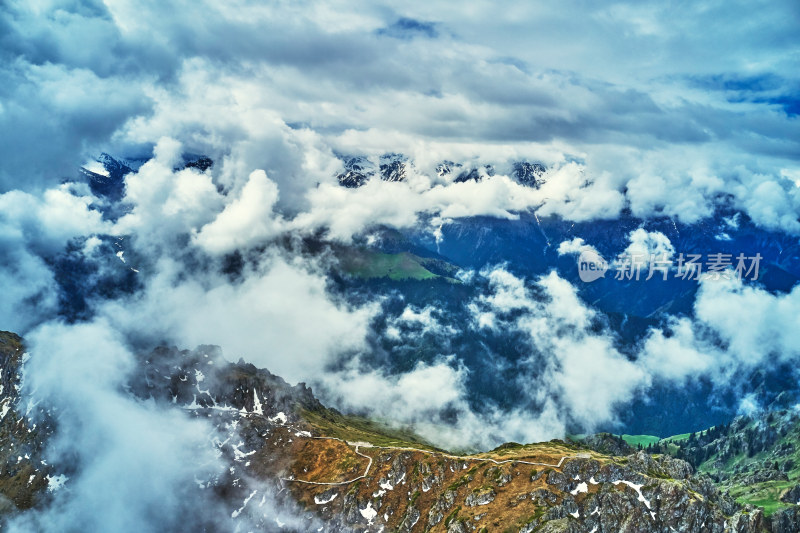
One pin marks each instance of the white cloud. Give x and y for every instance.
(575, 246)
(646, 245)
(245, 221)
(150, 454)
(735, 329)
(433, 399)
(570, 363)
(279, 317)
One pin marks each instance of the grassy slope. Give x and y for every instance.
(644, 440)
(364, 263)
(351, 428)
(767, 494)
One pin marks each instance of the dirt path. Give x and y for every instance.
(357, 445)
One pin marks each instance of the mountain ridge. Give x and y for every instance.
(351, 474)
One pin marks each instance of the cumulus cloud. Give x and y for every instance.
(575, 246)
(137, 462)
(567, 359)
(432, 398)
(245, 221)
(279, 317)
(735, 328)
(647, 248)
(637, 133)
(416, 322)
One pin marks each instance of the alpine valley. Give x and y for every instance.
(677, 454)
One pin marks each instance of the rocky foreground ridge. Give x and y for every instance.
(344, 473)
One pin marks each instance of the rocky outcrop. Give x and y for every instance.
(608, 444)
(23, 477)
(792, 495)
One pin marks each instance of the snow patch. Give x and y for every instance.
(638, 489)
(244, 504)
(369, 513)
(582, 487)
(257, 404)
(6, 407)
(280, 418)
(323, 501)
(55, 482)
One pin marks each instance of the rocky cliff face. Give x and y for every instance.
(343, 473)
(24, 478)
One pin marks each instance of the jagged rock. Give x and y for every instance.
(529, 174)
(410, 519)
(792, 495)
(23, 478)
(441, 507)
(785, 520)
(458, 526)
(202, 163)
(544, 497)
(357, 170)
(393, 171)
(446, 168)
(475, 174)
(760, 476)
(748, 521)
(481, 497)
(608, 444)
(662, 465)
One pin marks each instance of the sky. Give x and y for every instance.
(660, 109)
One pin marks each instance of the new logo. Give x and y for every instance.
(591, 266)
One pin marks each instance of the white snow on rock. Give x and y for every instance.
(323, 501)
(120, 254)
(244, 504)
(582, 487)
(592, 481)
(55, 482)
(369, 513)
(96, 167)
(280, 417)
(576, 514)
(638, 489)
(238, 454)
(257, 404)
(386, 486)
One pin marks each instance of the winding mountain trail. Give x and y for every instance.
(358, 445)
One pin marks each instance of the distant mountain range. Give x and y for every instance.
(395, 261)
